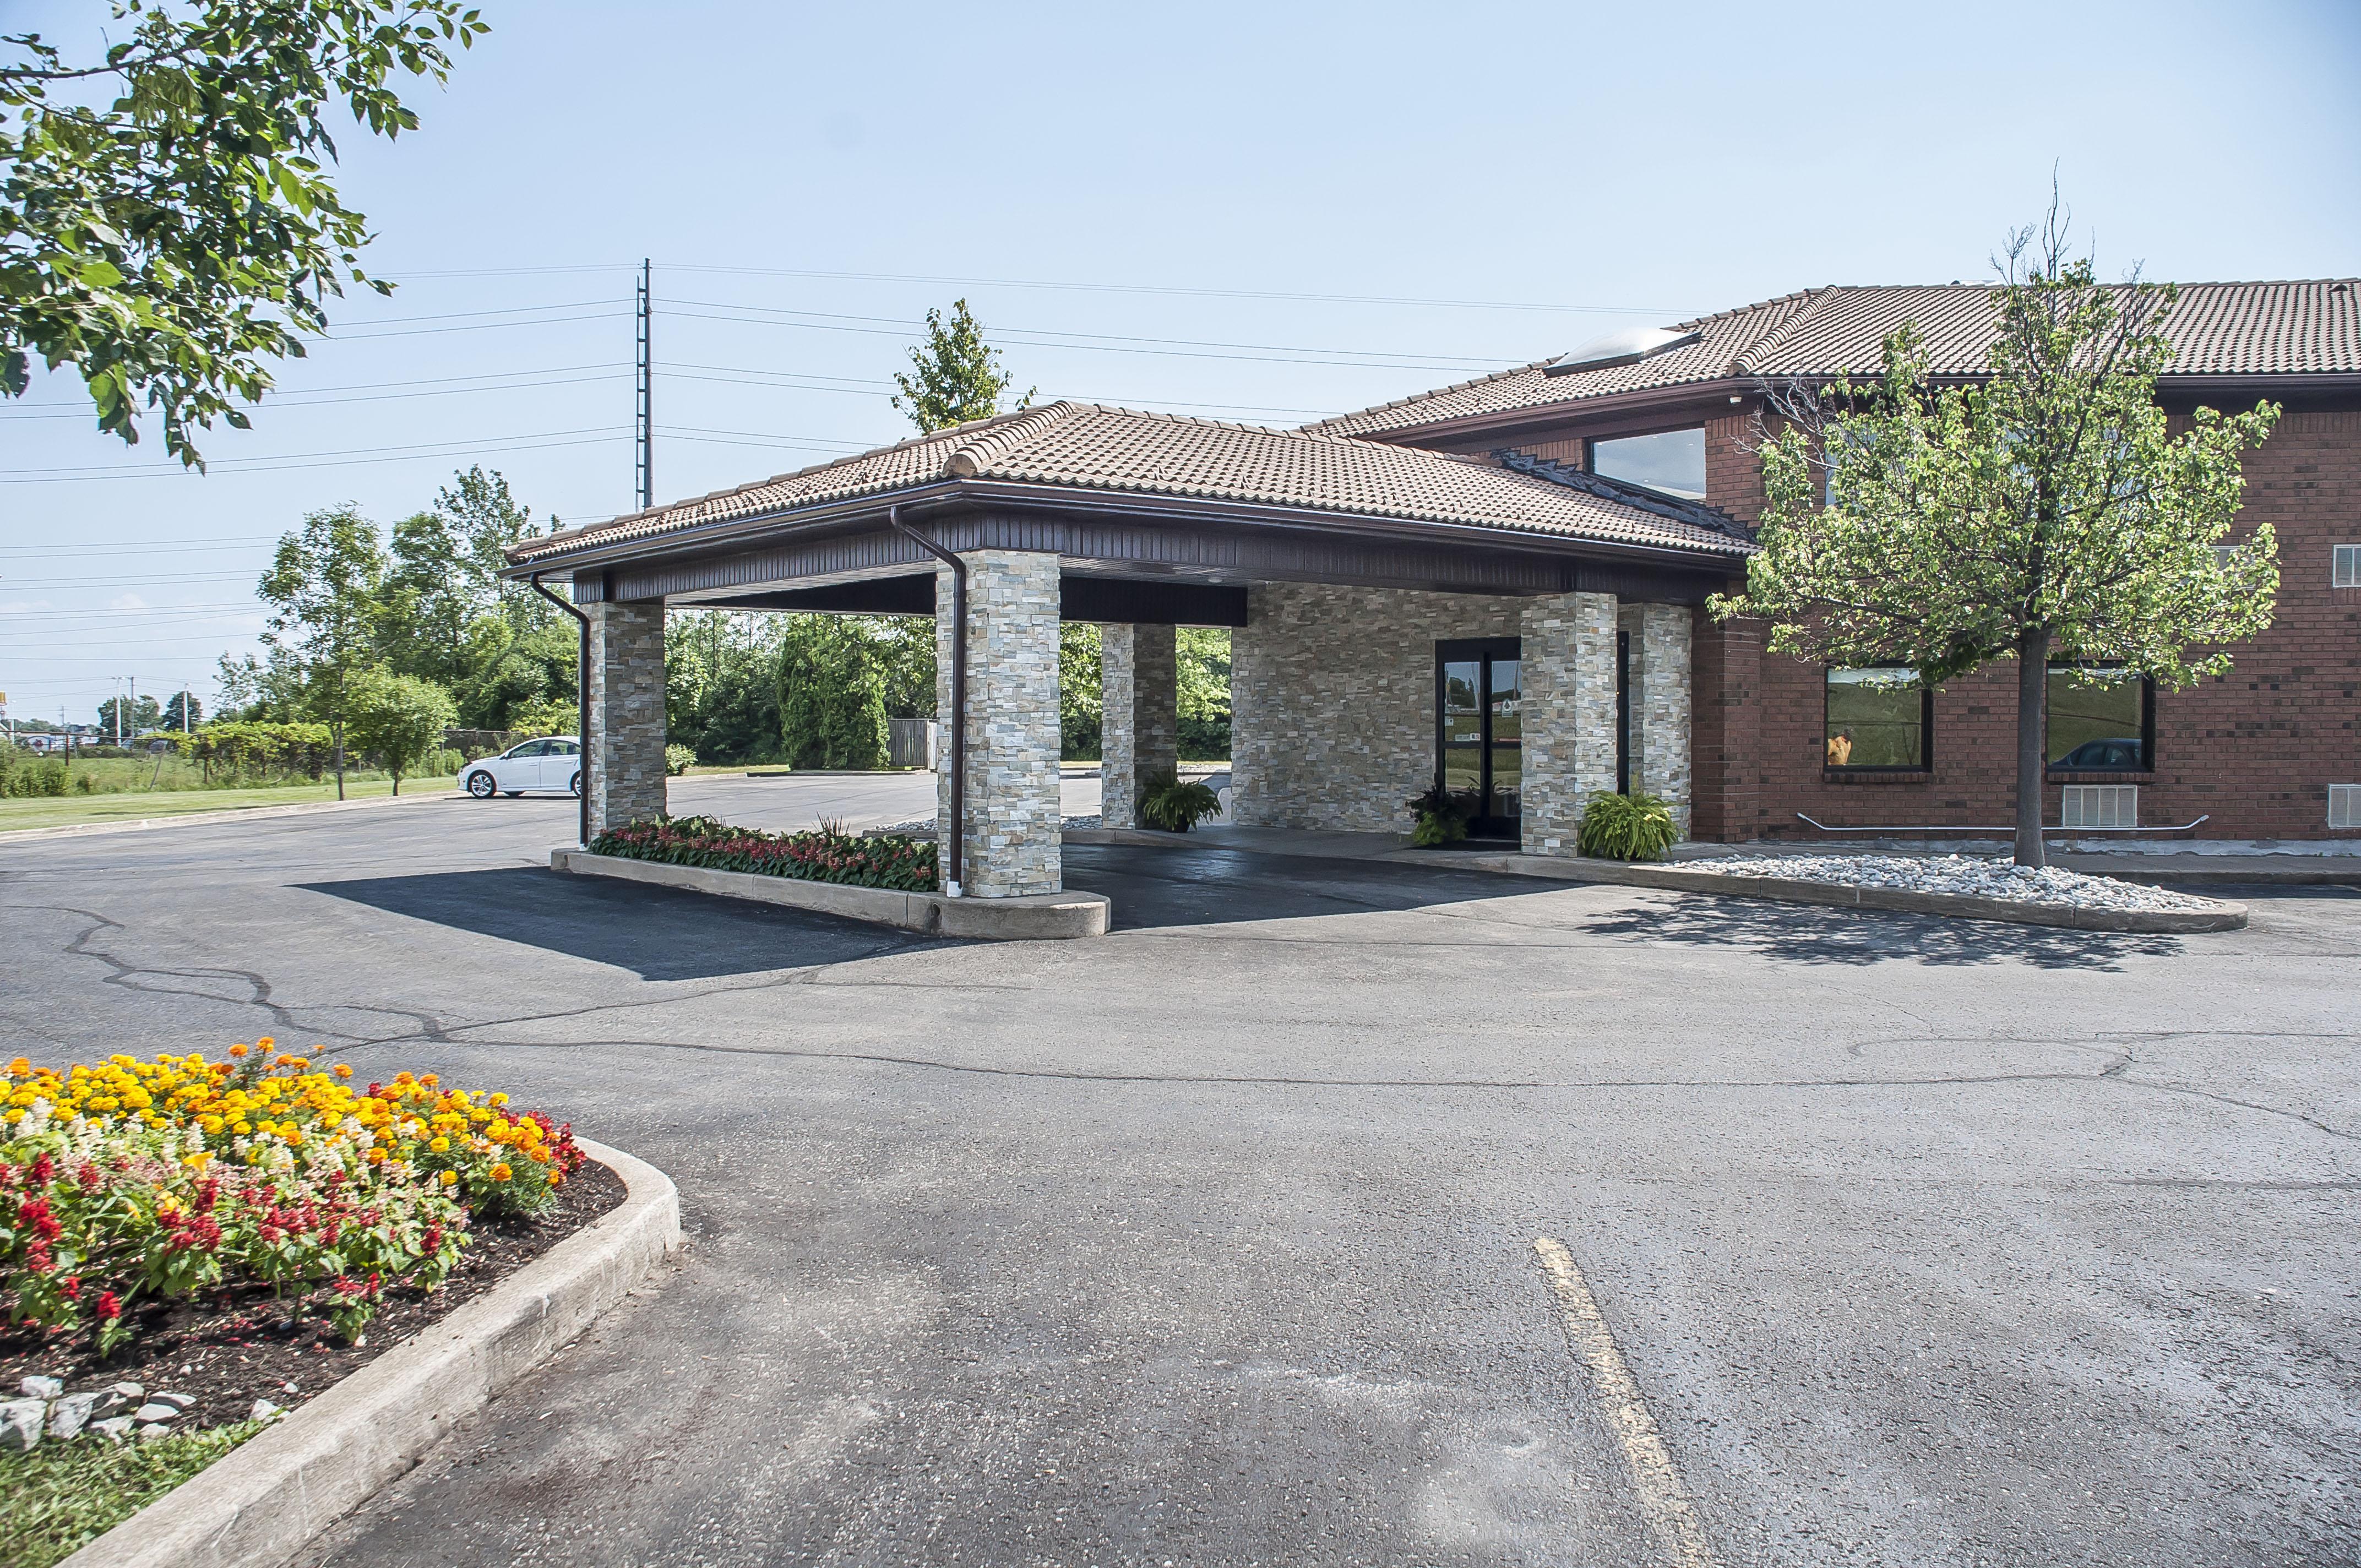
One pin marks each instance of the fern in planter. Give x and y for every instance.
(1176, 805)
(1441, 818)
(1635, 826)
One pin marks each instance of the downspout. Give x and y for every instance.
(581, 696)
(959, 691)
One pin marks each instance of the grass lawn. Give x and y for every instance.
(55, 811)
(64, 1495)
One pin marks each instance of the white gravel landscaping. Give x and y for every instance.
(1963, 875)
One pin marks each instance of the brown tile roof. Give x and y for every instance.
(2216, 329)
(1091, 447)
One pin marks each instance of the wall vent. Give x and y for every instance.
(2099, 806)
(2344, 805)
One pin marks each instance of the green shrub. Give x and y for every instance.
(678, 760)
(1635, 826)
(448, 762)
(1176, 805)
(1441, 817)
(831, 695)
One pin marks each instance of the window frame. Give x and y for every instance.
(1926, 763)
(2146, 764)
(2345, 565)
(1591, 445)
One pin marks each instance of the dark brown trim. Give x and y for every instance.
(1081, 599)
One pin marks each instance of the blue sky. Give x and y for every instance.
(1267, 213)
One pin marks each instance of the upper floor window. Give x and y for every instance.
(1672, 461)
(2099, 721)
(2344, 571)
(1879, 718)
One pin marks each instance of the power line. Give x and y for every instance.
(296, 401)
(373, 386)
(589, 434)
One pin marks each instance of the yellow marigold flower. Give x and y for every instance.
(440, 1144)
(21, 1067)
(241, 1127)
(293, 1133)
(375, 1156)
(479, 1114)
(198, 1161)
(265, 1043)
(450, 1178)
(500, 1099)
(501, 1172)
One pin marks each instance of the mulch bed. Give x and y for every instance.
(229, 1350)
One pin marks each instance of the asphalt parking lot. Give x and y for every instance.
(1212, 1241)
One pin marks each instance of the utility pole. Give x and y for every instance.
(647, 400)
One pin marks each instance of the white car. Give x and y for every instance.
(554, 763)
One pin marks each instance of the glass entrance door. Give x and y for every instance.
(1478, 734)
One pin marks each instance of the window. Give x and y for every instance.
(1879, 718)
(2099, 721)
(2098, 806)
(2344, 805)
(1673, 462)
(2345, 568)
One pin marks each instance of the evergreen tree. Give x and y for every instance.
(831, 695)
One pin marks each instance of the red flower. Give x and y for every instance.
(71, 1289)
(108, 1308)
(34, 1214)
(44, 1168)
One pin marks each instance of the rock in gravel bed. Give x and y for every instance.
(153, 1412)
(71, 1414)
(38, 1387)
(112, 1428)
(20, 1424)
(1962, 875)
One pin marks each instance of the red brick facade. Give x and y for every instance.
(2253, 751)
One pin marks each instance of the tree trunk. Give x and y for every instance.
(2032, 693)
(340, 758)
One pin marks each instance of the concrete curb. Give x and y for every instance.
(1045, 916)
(1790, 890)
(234, 814)
(261, 1504)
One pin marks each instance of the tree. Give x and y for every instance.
(171, 244)
(831, 695)
(956, 376)
(117, 717)
(324, 583)
(2044, 513)
(184, 712)
(400, 718)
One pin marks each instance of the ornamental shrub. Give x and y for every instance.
(678, 759)
(829, 855)
(1441, 817)
(132, 1181)
(1176, 803)
(1635, 826)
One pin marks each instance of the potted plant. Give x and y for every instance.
(1441, 817)
(1175, 804)
(1635, 826)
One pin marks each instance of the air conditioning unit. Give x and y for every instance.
(2099, 806)
(2344, 805)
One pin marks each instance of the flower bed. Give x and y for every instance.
(906, 865)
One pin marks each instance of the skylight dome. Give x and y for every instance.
(1625, 346)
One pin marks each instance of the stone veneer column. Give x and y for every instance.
(1012, 818)
(1567, 704)
(1140, 734)
(1659, 704)
(626, 742)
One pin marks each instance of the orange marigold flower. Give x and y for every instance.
(265, 1043)
(344, 1070)
(501, 1172)
(237, 1050)
(21, 1067)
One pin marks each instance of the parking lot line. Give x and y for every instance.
(1663, 1497)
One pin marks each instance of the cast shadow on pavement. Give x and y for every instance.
(1804, 933)
(657, 933)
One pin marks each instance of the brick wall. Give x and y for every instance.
(2255, 751)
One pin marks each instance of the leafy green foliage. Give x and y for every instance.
(1635, 826)
(240, 751)
(2046, 512)
(27, 777)
(1441, 817)
(954, 375)
(829, 855)
(171, 243)
(145, 713)
(62, 1496)
(400, 720)
(678, 759)
(1176, 804)
(831, 695)
(323, 585)
(1203, 658)
(1081, 690)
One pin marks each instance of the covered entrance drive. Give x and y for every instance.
(1341, 566)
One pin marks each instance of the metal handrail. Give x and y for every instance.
(2008, 832)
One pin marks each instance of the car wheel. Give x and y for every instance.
(481, 786)
(573, 786)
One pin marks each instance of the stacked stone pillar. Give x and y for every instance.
(1660, 697)
(1567, 705)
(1010, 817)
(626, 743)
(1140, 732)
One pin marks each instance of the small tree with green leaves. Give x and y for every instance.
(173, 242)
(831, 695)
(954, 375)
(2044, 513)
(322, 586)
(399, 719)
